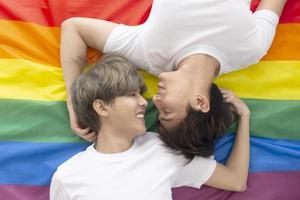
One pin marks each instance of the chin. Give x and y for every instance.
(140, 131)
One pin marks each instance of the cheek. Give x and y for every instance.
(177, 104)
(169, 102)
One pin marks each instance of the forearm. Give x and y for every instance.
(73, 55)
(238, 161)
(274, 5)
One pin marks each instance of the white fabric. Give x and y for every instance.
(146, 171)
(224, 29)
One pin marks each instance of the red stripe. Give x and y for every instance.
(291, 12)
(52, 13)
(261, 186)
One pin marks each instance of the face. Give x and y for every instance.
(173, 97)
(127, 114)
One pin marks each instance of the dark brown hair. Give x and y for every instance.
(196, 134)
(110, 77)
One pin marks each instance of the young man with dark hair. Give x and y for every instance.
(196, 134)
(127, 163)
(187, 43)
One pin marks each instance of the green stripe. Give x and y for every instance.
(44, 121)
(277, 119)
(151, 116)
(36, 121)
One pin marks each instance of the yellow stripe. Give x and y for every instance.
(23, 79)
(266, 80)
(151, 82)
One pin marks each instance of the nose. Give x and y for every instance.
(157, 102)
(162, 75)
(142, 101)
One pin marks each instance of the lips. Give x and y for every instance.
(141, 114)
(160, 85)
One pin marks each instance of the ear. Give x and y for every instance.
(100, 107)
(202, 103)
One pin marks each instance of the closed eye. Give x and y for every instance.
(131, 94)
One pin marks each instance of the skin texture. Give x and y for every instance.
(114, 136)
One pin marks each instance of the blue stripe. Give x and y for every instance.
(32, 163)
(266, 155)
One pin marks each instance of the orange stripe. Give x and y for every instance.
(286, 45)
(41, 44)
(29, 41)
(32, 42)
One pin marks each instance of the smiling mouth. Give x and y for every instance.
(140, 116)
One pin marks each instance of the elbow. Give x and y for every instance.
(240, 186)
(241, 183)
(69, 23)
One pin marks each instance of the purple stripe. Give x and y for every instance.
(262, 186)
(22, 192)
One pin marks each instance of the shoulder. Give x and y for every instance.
(148, 137)
(150, 142)
(73, 163)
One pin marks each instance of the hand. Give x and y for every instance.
(84, 133)
(237, 105)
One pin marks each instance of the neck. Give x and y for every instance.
(110, 141)
(201, 69)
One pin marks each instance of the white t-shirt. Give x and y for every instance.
(224, 29)
(146, 171)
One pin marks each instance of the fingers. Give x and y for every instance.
(85, 134)
(224, 91)
(91, 137)
(83, 131)
(228, 95)
(236, 104)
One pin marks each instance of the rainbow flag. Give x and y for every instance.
(34, 127)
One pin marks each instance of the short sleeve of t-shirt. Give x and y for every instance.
(194, 173)
(57, 190)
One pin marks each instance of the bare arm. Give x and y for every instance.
(77, 34)
(233, 175)
(274, 5)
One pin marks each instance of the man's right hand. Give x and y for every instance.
(238, 106)
(84, 133)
